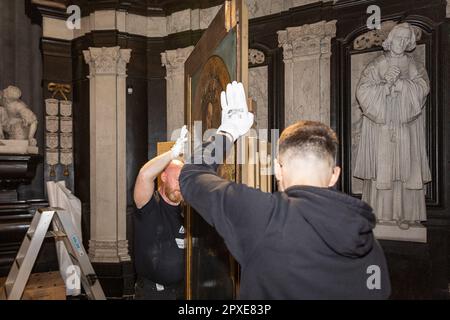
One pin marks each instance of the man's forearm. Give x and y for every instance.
(214, 152)
(155, 166)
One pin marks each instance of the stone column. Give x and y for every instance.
(174, 61)
(448, 8)
(108, 243)
(307, 55)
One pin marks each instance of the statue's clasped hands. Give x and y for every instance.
(392, 75)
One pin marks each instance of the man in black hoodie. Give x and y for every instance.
(306, 241)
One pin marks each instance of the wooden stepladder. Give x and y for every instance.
(65, 231)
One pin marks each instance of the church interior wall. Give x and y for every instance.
(417, 270)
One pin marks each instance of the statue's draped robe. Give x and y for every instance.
(391, 156)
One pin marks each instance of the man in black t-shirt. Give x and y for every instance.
(158, 228)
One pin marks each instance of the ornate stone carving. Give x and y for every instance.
(109, 251)
(52, 141)
(258, 90)
(310, 39)
(51, 106)
(52, 124)
(256, 56)
(112, 60)
(17, 122)
(307, 54)
(375, 38)
(66, 140)
(174, 60)
(66, 108)
(66, 125)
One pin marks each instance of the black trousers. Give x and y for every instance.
(147, 290)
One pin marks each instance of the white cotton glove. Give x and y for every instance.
(236, 120)
(178, 148)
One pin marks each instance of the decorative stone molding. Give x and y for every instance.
(375, 38)
(256, 56)
(108, 243)
(307, 54)
(180, 21)
(260, 8)
(310, 39)
(106, 61)
(109, 251)
(258, 90)
(174, 61)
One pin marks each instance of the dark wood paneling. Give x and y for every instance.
(15, 219)
(21, 65)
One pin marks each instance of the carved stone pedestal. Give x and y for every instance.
(16, 170)
(391, 231)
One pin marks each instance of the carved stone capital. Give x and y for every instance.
(107, 61)
(109, 251)
(174, 60)
(307, 40)
(256, 56)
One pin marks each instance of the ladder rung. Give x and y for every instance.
(55, 234)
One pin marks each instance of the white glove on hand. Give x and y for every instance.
(236, 120)
(178, 148)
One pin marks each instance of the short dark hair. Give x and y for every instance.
(309, 137)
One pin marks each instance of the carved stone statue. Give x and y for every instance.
(17, 121)
(391, 157)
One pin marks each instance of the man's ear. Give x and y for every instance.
(278, 174)
(164, 177)
(335, 176)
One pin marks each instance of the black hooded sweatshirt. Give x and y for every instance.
(304, 243)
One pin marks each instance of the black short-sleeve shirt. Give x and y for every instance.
(159, 242)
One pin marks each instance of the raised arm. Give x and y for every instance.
(145, 182)
(240, 214)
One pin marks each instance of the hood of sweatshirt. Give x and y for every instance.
(344, 223)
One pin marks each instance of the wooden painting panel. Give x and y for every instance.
(212, 273)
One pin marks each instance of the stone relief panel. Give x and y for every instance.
(307, 55)
(258, 91)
